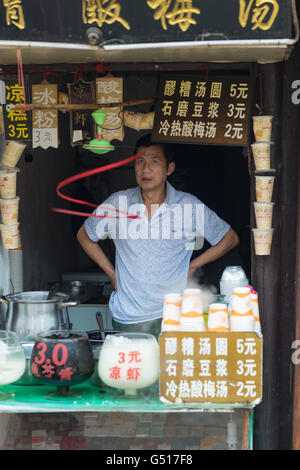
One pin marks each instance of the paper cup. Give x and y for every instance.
(171, 312)
(8, 183)
(218, 317)
(263, 214)
(264, 188)
(192, 318)
(263, 241)
(262, 155)
(9, 210)
(241, 317)
(12, 153)
(10, 236)
(262, 128)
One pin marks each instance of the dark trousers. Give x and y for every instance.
(152, 327)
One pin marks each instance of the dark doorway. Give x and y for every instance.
(219, 177)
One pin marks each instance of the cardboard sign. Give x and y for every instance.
(44, 122)
(210, 367)
(110, 90)
(194, 109)
(81, 121)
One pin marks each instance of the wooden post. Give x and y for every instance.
(265, 276)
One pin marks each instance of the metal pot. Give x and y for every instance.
(29, 313)
(82, 291)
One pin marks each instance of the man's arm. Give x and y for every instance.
(228, 242)
(96, 253)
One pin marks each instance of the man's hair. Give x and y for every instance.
(146, 141)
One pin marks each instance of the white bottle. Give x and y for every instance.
(232, 277)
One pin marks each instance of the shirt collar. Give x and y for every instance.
(170, 196)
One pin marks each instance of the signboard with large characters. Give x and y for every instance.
(144, 21)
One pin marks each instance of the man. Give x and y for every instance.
(153, 251)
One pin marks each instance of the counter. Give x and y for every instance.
(102, 419)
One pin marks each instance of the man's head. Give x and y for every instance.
(154, 164)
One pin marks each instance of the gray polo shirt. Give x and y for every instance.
(152, 256)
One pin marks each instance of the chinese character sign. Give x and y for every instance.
(17, 122)
(44, 121)
(211, 367)
(195, 109)
(81, 121)
(110, 90)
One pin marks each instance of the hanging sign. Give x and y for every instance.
(81, 121)
(44, 122)
(194, 109)
(17, 122)
(145, 21)
(210, 367)
(110, 90)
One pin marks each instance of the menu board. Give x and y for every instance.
(44, 122)
(211, 367)
(194, 109)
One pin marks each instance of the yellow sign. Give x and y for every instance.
(44, 122)
(210, 367)
(110, 90)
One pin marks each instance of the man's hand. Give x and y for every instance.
(228, 242)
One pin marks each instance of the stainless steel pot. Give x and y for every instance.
(83, 291)
(29, 313)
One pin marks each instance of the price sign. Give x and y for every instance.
(211, 367)
(194, 109)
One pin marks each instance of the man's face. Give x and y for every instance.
(151, 169)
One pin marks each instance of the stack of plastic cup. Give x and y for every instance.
(12, 153)
(264, 185)
(241, 317)
(9, 206)
(171, 312)
(192, 318)
(255, 310)
(218, 317)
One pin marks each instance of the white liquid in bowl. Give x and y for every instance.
(12, 365)
(129, 361)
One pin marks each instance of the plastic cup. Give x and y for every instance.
(171, 312)
(262, 128)
(263, 214)
(264, 188)
(218, 317)
(192, 318)
(12, 153)
(9, 210)
(263, 241)
(262, 155)
(10, 236)
(241, 317)
(8, 183)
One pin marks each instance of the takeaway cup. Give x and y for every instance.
(262, 128)
(263, 214)
(262, 155)
(10, 236)
(12, 153)
(218, 317)
(255, 310)
(264, 188)
(171, 312)
(9, 210)
(8, 183)
(241, 317)
(263, 241)
(192, 318)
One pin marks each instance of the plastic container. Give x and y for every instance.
(232, 277)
